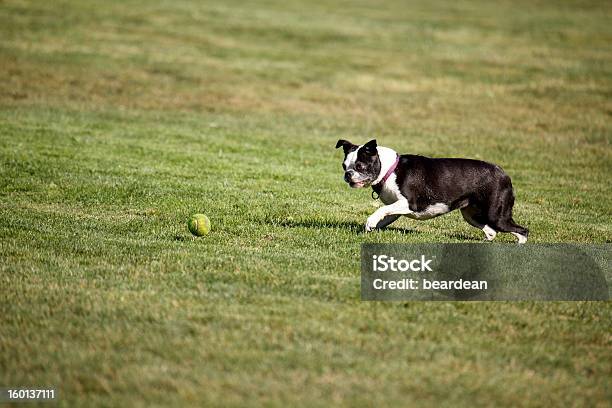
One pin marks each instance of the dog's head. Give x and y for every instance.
(361, 164)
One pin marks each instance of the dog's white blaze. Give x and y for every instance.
(349, 162)
(429, 212)
(521, 238)
(490, 233)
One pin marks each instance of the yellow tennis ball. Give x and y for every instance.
(199, 225)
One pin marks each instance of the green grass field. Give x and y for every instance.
(120, 119)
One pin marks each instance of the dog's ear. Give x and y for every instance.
(346, 145)
(370, 147)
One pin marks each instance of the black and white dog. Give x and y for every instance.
(421, 188)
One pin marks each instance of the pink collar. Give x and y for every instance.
(389, 172)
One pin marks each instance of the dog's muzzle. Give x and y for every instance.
(355, 183)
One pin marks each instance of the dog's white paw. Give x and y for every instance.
(521, 238)
(490, 233)
(371, 223)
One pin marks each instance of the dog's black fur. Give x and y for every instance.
(481, 190)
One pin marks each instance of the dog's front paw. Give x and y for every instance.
(371, 223)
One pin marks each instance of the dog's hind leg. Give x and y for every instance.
(472, 216)
(512, 227)
(500, 215)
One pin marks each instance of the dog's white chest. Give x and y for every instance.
(390, 192)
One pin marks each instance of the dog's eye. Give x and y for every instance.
(359, 167)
